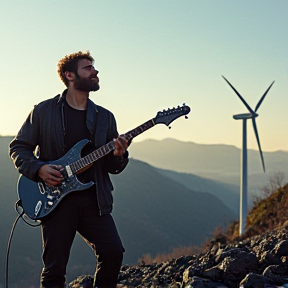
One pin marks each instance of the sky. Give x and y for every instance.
(153, 55)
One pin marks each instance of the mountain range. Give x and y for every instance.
(212, 161)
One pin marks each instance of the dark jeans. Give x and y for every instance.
(78, 211)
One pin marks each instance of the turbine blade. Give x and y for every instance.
(262, 98)
(242, 99)
(258, 141)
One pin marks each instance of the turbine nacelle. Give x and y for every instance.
(245, 116)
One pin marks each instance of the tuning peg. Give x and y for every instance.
(186, 117)
(169, 127)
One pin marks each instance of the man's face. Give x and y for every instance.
(86, 78)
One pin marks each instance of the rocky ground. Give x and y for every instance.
(260, 261)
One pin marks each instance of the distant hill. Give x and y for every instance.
(227, 193)
(153, 212)
(217, 162)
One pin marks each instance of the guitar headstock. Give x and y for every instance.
(168, 116)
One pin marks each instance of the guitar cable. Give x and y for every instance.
(21, 215)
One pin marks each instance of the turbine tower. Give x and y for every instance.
(244, 172)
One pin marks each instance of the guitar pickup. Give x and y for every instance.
(68, 171)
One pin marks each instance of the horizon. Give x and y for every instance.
(188, 141)
(153, 56)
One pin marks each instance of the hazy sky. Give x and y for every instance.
(153, 55)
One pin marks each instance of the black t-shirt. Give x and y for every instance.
(76, 130)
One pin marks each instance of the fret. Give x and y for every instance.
(85, 161)
(72, 167)
(111, 145)
(80, 163)
(77, 165)
(105, 149)
(97, 154)
(140, 129)
(90, 157)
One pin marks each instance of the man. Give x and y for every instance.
(52, 128)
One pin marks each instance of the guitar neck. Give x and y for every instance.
(86, 161)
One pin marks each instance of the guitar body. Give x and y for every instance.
(38, 199)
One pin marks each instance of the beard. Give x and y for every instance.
(85, 84)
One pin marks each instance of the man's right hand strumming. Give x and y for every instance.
(51, 174)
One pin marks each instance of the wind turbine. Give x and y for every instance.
(244, 175)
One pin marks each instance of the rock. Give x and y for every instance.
(213, 273)
(221, 255)
(253, 280)
(275, 272)
(190, 272)
(260, 261)
(85, 281)
(281, 249)
(197, 282)
(240, 264)
(267, 258)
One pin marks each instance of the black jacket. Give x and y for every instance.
(41, 139)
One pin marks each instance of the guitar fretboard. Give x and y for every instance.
(107, 148)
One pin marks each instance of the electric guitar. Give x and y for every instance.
(38, 199)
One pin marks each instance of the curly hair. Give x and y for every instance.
(70, 63)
